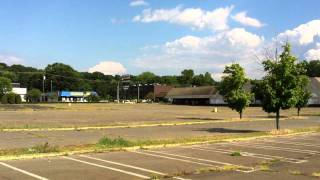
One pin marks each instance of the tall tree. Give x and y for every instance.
(280, 85)
(232, 88)
(186, 77)
(313, 68)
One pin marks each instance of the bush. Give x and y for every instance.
(117, 142)
(18, 99)
(93, 98)
(11, 98)
(4, 99)
(34, 95)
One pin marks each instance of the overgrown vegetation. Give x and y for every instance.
(114, 143)
(236, 153)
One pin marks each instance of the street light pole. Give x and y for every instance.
(138, 92)
(118, 92)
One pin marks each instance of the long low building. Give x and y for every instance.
(195, 95)
(73, 96)
(209, 95)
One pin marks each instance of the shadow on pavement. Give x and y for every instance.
(224, 130)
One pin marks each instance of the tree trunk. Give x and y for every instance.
(299, 109)
(240, 115)
(277, 119)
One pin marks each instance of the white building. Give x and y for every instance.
(20, 91)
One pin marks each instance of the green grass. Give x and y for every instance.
(236, 153)
(39, 149)
(114, 143)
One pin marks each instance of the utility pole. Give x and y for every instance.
(118, 92)
(138, 92)
(43, 79)
(51, 85)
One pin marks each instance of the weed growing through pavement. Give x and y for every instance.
(236, 153)
(45, 148)
(295, 172)
(116, 142)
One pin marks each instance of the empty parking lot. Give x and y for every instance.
(286, 157)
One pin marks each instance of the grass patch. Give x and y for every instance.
(39, 149)
(236, 153)
(116, 142)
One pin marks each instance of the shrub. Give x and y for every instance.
(11, 98)
(18, 99)
(4, 99)
(93, 98)
(34, 95)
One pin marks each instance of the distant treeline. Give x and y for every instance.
(64, 77)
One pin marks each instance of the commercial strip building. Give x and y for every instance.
(74, 96)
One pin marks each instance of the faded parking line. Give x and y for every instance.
(261, 146)
(107, 167)
(249, 154)
(293, 143)
(130, 166)
(23, 171)
(242, 168)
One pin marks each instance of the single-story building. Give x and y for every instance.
(74, 96)
(204, 95)
(20, 91)
(315, 91)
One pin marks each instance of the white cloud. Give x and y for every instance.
(246, 20)
(108, 68)
(196, 18)
(202, 54)
(313, 54)
(10, 59)
(303, 34)
(138, 3)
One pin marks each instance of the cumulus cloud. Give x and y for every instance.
(195, 18)
(138, 3)
(303, 34)
(313, 54)
(209, 53)
(305, 39)
(10, 59)
(108, 68)
(242, 18)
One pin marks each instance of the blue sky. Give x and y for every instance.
(91, 34)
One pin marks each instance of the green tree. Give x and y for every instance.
(280, 85)
(147, 78)
(5, 86)
(313, 68)
(232, 88)
(34, 95)
(186, 77)
(303, 92)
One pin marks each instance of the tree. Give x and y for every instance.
(313, 68)
(5, 86)
(186, 77)
(34, 95)
(147, 78)
(18, 99)
(280, 85)
(232, 88)
(303, 93)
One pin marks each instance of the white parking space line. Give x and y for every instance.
(248, 169)
(23, 171)
(107, 167)
(293, 143)
(260, 146)
(254, 155)
(130, 166)
(172, 158)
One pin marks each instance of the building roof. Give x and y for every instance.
(192, 92)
